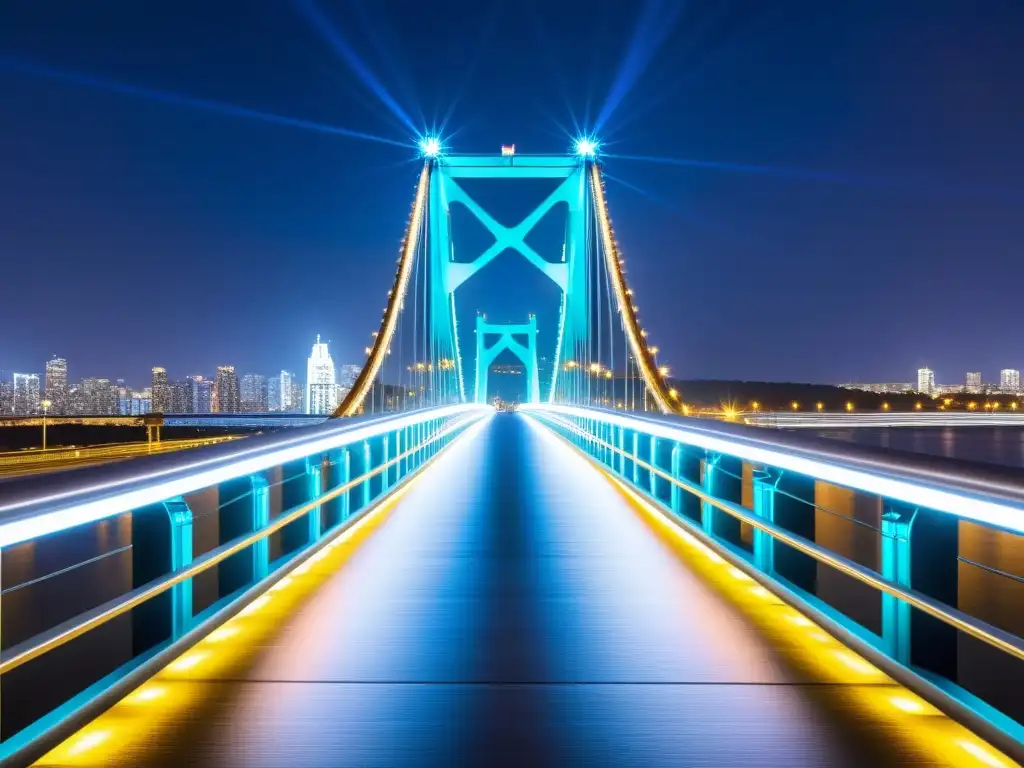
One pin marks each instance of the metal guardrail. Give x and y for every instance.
(789, 420)
(919, 500)
(340, 469)
(31, 457)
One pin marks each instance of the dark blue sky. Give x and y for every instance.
(136, 231)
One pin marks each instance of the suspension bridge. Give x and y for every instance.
(593, 579)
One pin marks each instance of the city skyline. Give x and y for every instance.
(227, 390)
(872, 178)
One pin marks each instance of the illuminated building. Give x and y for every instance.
(896, 388)
(140, 404)
(274, 394)
(321, 385)
(56, 385)
(254, 393)
(1009, 380)
(973, 382)
(228, 399)
(6, 396)
(99, 397)
(202, 394)
(925, 381)
(26, 394)
(289, 390)
(161, 391)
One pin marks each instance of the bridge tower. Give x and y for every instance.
(587, 271)
(486, 354)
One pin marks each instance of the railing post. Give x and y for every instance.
(344, 477)
(654, 467)
(676, 470)
(180, 515)
(764, 507)
(260, 518)
(896, 567)
(636, 457)
(708, 483)
(400, 464)
(385, 477)
(314, 476)
(367, 458)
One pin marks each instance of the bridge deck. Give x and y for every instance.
(515, 609)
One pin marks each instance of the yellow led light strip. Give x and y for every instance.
(808, 645)
(181, 686)
(652, 377)
(382, 343)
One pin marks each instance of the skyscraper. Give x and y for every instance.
(202, 395)
(1009, 379)
(181, 396)
(973, 382)
(321, 386)
(6, 396)
(274, 394)
(228, 400)
(161, 398)
(925, 381)
(254, 393)
(26, 394)
(56, 385)
(289, 403)
(99, 397)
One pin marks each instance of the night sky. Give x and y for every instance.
(859, 216)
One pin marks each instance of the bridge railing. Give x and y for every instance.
(110, 571)
(915, 560)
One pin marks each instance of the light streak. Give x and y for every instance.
(67, 76)
(334, 38)
(382, 342)
(653, 27)
(154, 490)
(969, 506)
(641, 353)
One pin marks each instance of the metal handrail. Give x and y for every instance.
(987, 633)
(982, 493)
(43, 505)
(34, 647)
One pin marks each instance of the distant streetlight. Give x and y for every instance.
(849, 407)
(46, 406)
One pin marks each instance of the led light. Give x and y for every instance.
(736, 573)
(910, 706)
(800, 621)
(855, 663)
(254, 606)
(146, 693)
(88, 741)
(221, 634)
(430, 146)
(982, 755)
(586, 147)
(761, 592)
(188, 661)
